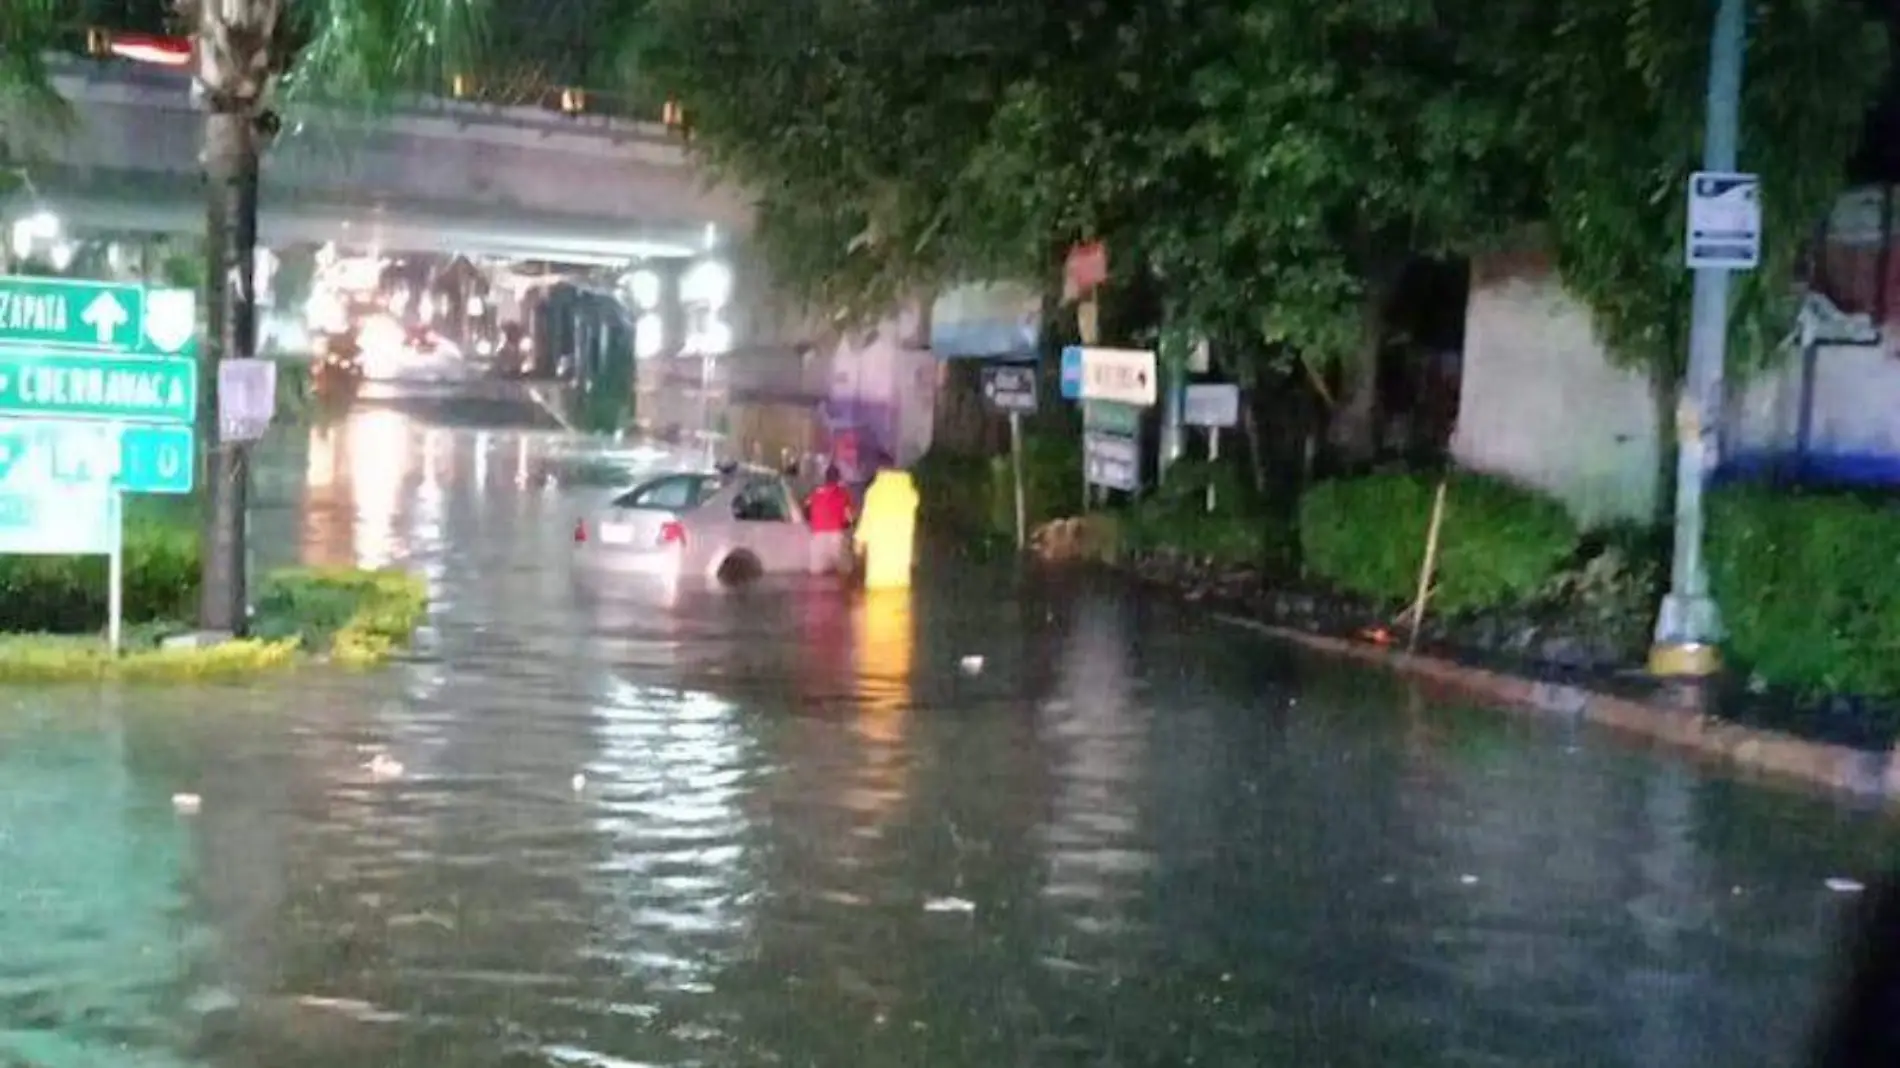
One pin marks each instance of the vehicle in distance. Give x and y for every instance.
(726, 527)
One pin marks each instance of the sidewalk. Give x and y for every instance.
(1861, 772)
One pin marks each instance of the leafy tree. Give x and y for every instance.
(850, 123)
(243, 49)
(27, 101)
(1611, 117)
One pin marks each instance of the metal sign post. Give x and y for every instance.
(1016, 463)
(115, 577)
(1214, 406)
(1213, 457)
(1012, 389)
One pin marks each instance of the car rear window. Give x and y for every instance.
(674, 493)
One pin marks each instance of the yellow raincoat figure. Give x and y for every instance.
(887, 530)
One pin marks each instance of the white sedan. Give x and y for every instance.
(726, 527)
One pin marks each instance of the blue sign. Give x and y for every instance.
(141, 458)
(1071, 372)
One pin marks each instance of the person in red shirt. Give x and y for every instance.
(829, 511)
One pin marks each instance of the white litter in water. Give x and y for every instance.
(187, 803)
(972, 665)
(1842, 885)
(384, 766)
(949, 904)
(1468, 880)
(579, 782)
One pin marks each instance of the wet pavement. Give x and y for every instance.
(601, 826)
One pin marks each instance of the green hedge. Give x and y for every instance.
(1500, 545)
(1808, 587)
(1240, 530)
(971, 498)
(67, 594)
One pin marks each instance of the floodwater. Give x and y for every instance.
(608, 827)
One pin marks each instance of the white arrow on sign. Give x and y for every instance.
(105, 315)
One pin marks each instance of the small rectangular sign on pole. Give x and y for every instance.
(1724, 221)
(1126, 376)
(247, 398)
(1112, 462)
(1214, 405)
(1010, 388)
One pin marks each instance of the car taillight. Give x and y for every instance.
(672, 534)
(580, 531)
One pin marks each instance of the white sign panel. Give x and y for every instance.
(1125, 376)
(247, 398)
(1215, 405)
(1724, 221)
(1112, 462)
(58, 521)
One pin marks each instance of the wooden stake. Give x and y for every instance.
(1426, 572)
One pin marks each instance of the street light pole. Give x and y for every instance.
(1689, 626)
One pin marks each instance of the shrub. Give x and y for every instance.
(1052, 483)
(40, 659)
(1808, 589)
(1175, 519)
(357, 617)
(971, 498)
(1500, 545)
(67, 594)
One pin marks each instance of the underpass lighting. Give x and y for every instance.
(645, 287)
(708, 283)
(150, 48)
(34, 228)
(649, 336)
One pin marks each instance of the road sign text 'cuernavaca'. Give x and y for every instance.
(98, 397)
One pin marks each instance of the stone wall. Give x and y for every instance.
(1540, 404)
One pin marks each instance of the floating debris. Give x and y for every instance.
(949, 904)
(579, 782)
(1842, 885)
(187, 803)
(1468, 880)
(972, 664)
(384, 766)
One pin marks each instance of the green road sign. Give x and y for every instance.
(98, 387)
(1108, 417)
(67, 313)
(41, 453)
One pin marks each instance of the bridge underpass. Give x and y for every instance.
(428, 176)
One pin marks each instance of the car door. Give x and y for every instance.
(771, 525)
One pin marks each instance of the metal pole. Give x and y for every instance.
(1173, 400)
(1213, 461)
(115, 576)
(1689, 626)
(1016, 463)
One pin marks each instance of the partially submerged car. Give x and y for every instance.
(730, 527)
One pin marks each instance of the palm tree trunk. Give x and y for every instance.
(231, 163)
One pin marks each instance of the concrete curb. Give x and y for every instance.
(1861, 772)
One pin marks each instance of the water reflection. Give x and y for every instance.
(786, 826)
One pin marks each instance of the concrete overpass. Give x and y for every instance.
(427, 176)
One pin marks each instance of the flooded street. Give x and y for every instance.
(790, 826)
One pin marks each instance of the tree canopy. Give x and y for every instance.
(1263, 167)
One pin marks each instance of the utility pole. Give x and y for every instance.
(1689, 627)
